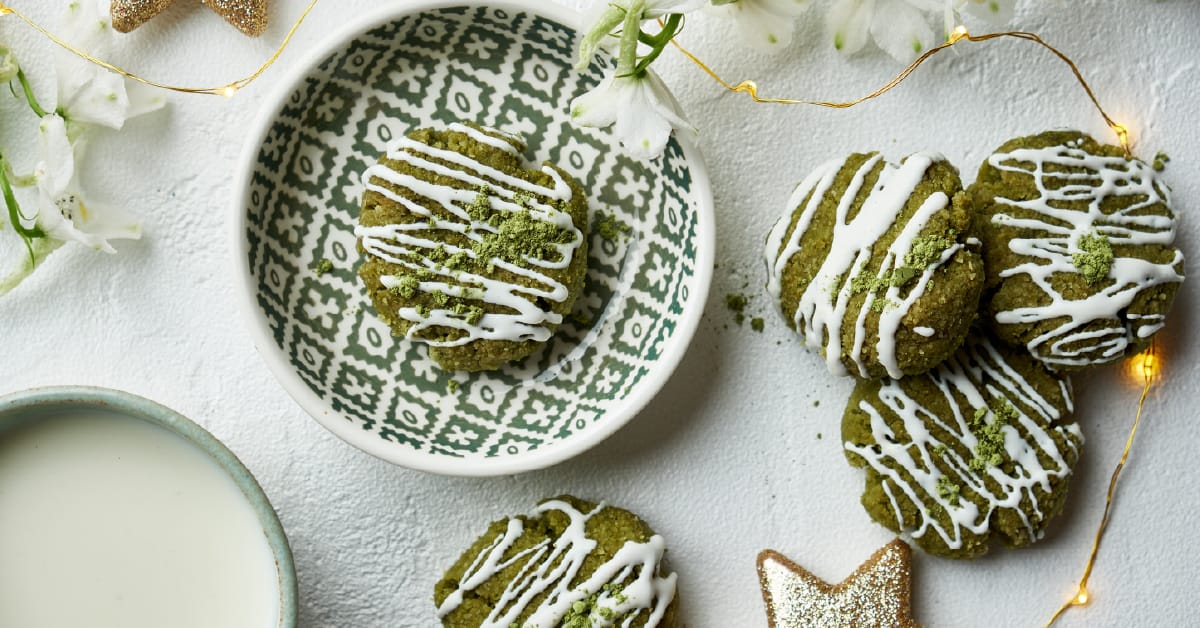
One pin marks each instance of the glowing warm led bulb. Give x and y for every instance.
(1081, 598)
(1143, 366)
(228, 91)
(958, 33)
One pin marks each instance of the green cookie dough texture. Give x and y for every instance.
(979, 447)
(1078, 245)
(569, 563)
(874, 265)
(468, 250)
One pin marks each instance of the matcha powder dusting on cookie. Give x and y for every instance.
(1095, 258)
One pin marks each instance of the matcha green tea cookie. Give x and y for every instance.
(466, 249)
(979, 448)
(569, 563)
(873, 264)
(1078, 247)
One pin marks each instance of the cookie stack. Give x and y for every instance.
(962, 313)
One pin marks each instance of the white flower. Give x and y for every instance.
(87, 93)
(898, 26)
(62, 213)
(640, 108)
(764, 24)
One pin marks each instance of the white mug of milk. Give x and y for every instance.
(118, 512)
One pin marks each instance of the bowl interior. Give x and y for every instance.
(26, 407)
(510, 68)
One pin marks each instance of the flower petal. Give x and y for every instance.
(600, 106)
(101, 100)
(658, 8)
(760, 25)
(848, 24)
(994, 11)
(901, 30)
(783, 8)
(143, 99)
(56, 165)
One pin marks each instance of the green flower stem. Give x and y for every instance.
(671, 27)
(28, 234)
(29, 97)
(631, 30)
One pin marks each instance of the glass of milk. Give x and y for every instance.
(118, 512)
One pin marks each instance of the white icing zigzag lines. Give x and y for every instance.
(823, 308)
(552, 567)
(394, 243)
(976, 373)
(1056, 233)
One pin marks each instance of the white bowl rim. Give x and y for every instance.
(119, 402)
(350, 432)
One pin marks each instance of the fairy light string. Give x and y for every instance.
(959, 34)
(227, 90)
(1149, 366)
(1147, 361)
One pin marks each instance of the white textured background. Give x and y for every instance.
(730, 458)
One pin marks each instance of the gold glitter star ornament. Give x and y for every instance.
(249, 16)
(876, 595)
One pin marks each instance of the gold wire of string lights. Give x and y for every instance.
(960, 33)
(227, 90)
(1147, 366)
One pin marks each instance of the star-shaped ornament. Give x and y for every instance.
(876, 594)
(249, 16)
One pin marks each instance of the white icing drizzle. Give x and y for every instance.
(924, 331)
(394, 243)
(1052, 239)
(977, 373)
(823, 308)
(552, 567)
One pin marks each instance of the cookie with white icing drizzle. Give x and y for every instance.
(1078, 248)
(873, 264)
(569, 563)
(980, 448)
(468, 249)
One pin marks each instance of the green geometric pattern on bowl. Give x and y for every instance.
(504, 69)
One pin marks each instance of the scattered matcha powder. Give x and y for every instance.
(1095, 259)
(322, 266)
(925, 251)
(989, 450)
(521, 236)
(581, 611)
(757, 324)
(882, 304)
(737, 302)
(610, 227)
(452, 386)
(480, 210)
(407, 286)
(948, 490)
(1160, 161)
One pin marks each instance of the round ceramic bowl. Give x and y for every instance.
(22, 408)
(507, 65)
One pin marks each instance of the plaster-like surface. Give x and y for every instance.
(735, 455)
